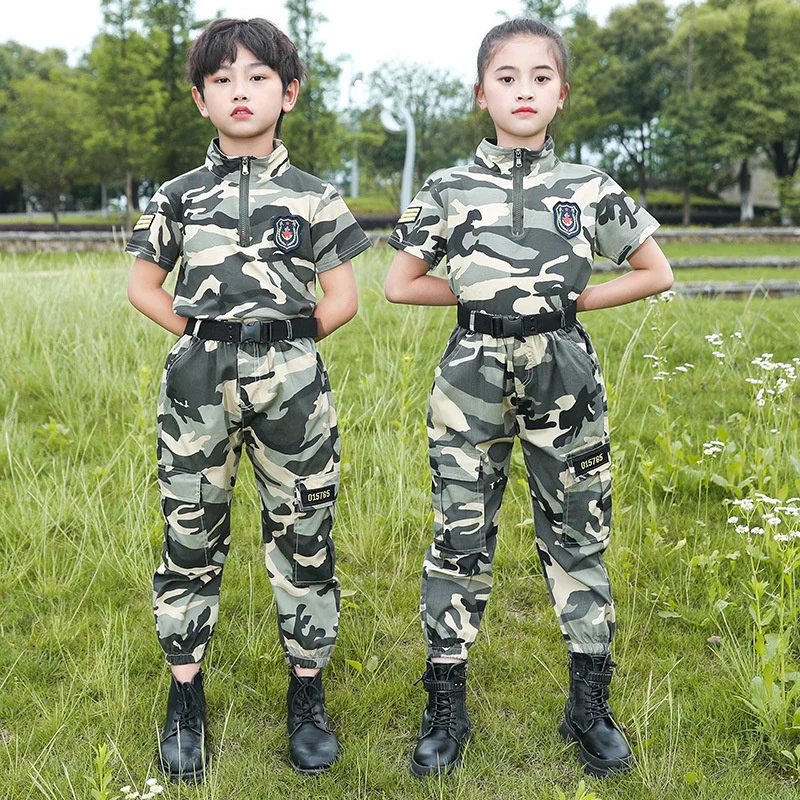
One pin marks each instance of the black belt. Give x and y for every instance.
(275, 331)
(500, 326)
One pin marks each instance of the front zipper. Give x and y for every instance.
(516, 194)
(244, 202)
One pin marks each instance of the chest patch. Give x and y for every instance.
(567, 218)
(287, 233)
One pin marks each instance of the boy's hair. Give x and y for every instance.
(217, 45)
(523, 27)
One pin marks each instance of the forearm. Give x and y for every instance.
(425, 290)
(156, 304)
(625, 289)
(651, 274)
(332, 312)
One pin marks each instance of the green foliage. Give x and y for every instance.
(635, 80)
(43, 135)
(312, 130)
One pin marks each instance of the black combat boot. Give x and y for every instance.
(588, 720)
(445, 722)
(182, 750)
(313, 747)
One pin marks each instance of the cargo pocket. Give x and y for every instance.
(185, 533)
(459, 509)
(314, 556)
(587, 496)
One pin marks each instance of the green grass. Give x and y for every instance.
(80, 534)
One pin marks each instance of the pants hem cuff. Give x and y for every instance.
(590, 648)
(177, 660)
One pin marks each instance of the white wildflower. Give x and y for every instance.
(732, 520)
(772, 520)
(781, 537)
(742, 529)
(757, 531)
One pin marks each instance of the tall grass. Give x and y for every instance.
(82, 679)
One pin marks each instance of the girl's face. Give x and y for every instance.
(522, 90)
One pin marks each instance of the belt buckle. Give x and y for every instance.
(251, 331)
(514, 326)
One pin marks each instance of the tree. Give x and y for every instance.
(637, 37)
(312, 130)
(747, 64)
(585, 117)
(16, 62)
(127, 99)
(181, 134)
(43, 138)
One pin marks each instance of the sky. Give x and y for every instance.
(358, 36)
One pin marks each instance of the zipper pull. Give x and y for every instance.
(518, 157)
(245, 165)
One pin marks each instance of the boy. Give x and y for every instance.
(253, 233)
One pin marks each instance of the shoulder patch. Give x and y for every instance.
(287, 233)
(567, 217)
(144, 222)
(411, 214)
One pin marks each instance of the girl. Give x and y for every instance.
(520, 230)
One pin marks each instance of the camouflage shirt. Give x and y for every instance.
(250, 233)
(520, 229)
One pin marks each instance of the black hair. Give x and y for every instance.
(217, 45)
(524, 26)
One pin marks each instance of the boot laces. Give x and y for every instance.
(596, 705)
(443, 709)
(189, 710)
(306, 703)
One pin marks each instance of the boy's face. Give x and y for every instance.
(244, 100)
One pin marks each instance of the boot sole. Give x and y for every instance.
(195, 776)
(422, 771)
(310, 773)
(596, 767)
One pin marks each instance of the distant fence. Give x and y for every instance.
(65, 241)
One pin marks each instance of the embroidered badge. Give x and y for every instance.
(583, 463)
(568, 219)
(410, 215)
(317, 497)
(144, 222)
(287, 233)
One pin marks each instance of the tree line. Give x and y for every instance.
(684, 99)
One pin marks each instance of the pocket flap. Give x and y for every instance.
(317, 491)
(179, 485)
(455, 472)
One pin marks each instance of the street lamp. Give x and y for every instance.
(389, 121)
(356, 84)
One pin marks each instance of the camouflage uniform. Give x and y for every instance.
(252, 234)
(519, 230)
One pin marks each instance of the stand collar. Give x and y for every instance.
(491, 156)
(260, 169)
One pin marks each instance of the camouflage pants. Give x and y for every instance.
(275, 399)
(548, 390)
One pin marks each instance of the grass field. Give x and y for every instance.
(82, 679)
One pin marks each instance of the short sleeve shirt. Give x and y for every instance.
(520, 228)
(250, 235)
